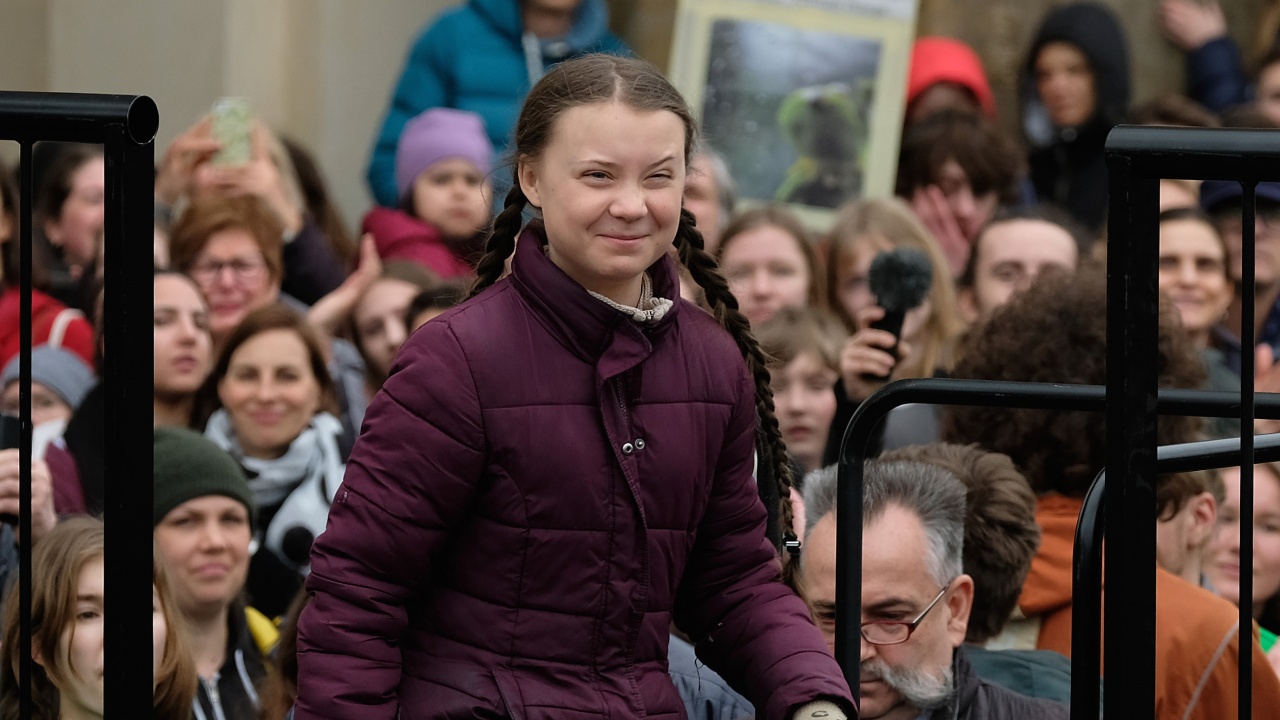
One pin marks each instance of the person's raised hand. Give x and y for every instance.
(329, 312)
(1266, 378)
(931, 207)
(175, 179)
(260, 178)
(43, 514)
(1190, 24)
(866, 360)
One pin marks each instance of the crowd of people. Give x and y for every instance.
(554, 435)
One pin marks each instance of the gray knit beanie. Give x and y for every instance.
(187, 466)
(58, 369)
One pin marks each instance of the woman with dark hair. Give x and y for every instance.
(52, 322)
(377, 323)
(275, 398)
(69, 210)
(182, 349)
(1074, 88)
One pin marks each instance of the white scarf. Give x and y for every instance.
(313, 455)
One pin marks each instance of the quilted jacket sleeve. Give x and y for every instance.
(748, 625)
(414, 468)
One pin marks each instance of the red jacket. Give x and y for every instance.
(399, 235)
(539, 488)
(77, 333)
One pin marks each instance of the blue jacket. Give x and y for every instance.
(472, 57)
(1216, 76)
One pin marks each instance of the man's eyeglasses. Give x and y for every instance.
(894, 632)
(244, 270)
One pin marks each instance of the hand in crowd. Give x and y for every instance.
(43, 515)
(1266, 378)
(329, 312)
(259, 177)
(930, 205)
(1190, 24)
(190, 150)
(867, 354)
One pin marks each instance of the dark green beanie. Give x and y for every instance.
(187, 466)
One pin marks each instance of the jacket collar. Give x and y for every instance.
(586, 326)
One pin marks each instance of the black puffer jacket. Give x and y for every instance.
(978, 699)
(1067, 165)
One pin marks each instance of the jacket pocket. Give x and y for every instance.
(510, 692)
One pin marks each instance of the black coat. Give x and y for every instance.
(1066, 163)
(978, 699)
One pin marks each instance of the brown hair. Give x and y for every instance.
(793, 331)
(1056, 331)
(990, 159)
(600, 78)
(318, 201)
(280, 688)
(10, 269)
(209, 214)
(56, 563)
(888, 223)
(1173, 109)
(1000, 531)
(278, 317)
(1046, 213)
(780, 217)
(405, 271)
(177, 679)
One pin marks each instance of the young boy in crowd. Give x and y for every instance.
(444, 194)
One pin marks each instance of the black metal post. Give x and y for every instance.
(126, 126)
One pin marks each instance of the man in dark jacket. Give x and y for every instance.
(916, 601)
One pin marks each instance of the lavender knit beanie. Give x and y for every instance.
(438, 134)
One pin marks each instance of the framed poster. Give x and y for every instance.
(804, 98)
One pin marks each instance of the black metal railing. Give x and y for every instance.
(986, 393)
(1086, 578)
(125, 125)
(1137, 157)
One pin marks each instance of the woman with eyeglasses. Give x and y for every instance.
(232, 248)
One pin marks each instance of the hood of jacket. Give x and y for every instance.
(590, 25)
(1096, 32)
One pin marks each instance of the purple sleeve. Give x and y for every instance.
(749, 626)
(311, 268)
(412, 471)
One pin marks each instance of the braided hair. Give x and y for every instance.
(638, 84)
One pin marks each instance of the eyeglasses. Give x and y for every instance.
(244, 270)
(895, 632)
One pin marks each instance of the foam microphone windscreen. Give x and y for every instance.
(900, 279)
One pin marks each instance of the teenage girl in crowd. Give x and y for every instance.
(767, 257)
(862, 230)
(444, 194)
(561, 465)
(66, 626)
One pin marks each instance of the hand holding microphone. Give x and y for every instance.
(900, 280)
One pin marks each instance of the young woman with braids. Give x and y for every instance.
(562, 464)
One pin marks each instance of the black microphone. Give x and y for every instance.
(296, 545)
(900, 280)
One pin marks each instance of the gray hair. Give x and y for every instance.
(933, 494)
(726, 191)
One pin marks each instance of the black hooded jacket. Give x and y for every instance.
(1067, 164)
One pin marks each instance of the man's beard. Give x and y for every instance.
(918, 688)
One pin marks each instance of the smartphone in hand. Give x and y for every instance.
(231, 128)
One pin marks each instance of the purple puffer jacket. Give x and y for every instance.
(539, 488)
